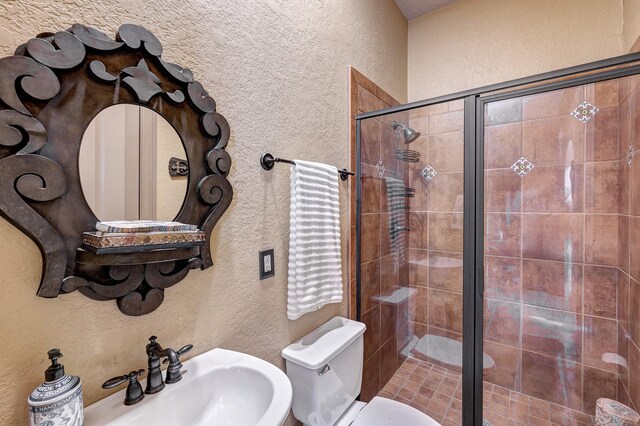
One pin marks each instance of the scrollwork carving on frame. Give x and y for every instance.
(52, 87)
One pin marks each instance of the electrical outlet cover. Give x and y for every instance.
(267, 264)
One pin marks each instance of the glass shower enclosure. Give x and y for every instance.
(496, 253)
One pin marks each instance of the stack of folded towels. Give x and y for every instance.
(140, 235)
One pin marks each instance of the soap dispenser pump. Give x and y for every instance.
(58, 401)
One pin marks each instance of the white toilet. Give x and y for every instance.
(325, 369)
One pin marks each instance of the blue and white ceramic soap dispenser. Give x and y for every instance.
(58, 401)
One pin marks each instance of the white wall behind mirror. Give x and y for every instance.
(124, 165)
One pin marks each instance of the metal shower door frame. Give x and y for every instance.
(475, 101)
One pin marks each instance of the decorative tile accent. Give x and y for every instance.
(380, 168)
(522, 166)
(585, 111)
(630, 155)
(428, 172)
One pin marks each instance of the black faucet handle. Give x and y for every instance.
(115, 381)
(131, 377)
(183, 350)
(134, 392)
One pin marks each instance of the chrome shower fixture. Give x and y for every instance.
(409, 134)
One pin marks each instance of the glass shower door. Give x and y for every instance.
(411, 245)
(556, 212)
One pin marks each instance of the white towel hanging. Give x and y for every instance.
(315, 262)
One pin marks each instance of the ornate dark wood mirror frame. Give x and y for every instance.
(50, 90)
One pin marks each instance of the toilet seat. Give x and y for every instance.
(386, 412)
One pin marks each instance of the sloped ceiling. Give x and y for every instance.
(414, 8)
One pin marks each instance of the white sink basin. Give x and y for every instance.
(220, 387)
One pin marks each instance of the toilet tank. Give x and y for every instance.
(325, 369)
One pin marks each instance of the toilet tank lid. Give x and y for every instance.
(321, 345)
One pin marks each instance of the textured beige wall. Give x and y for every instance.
(631, 17)
(472, 43)
(278, 70)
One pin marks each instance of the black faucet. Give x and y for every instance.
(154, 352)
(154, 378)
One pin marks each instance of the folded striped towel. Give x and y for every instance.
(315, 262)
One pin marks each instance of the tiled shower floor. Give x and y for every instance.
(437, 392)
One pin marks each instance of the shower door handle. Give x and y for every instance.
(480, 281)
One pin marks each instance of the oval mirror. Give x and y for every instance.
(132, 165)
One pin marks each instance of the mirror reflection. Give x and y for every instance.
(132, 165)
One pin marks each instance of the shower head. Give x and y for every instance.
(408, 133)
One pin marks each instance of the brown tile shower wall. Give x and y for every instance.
(555, 239)
(378, 274)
